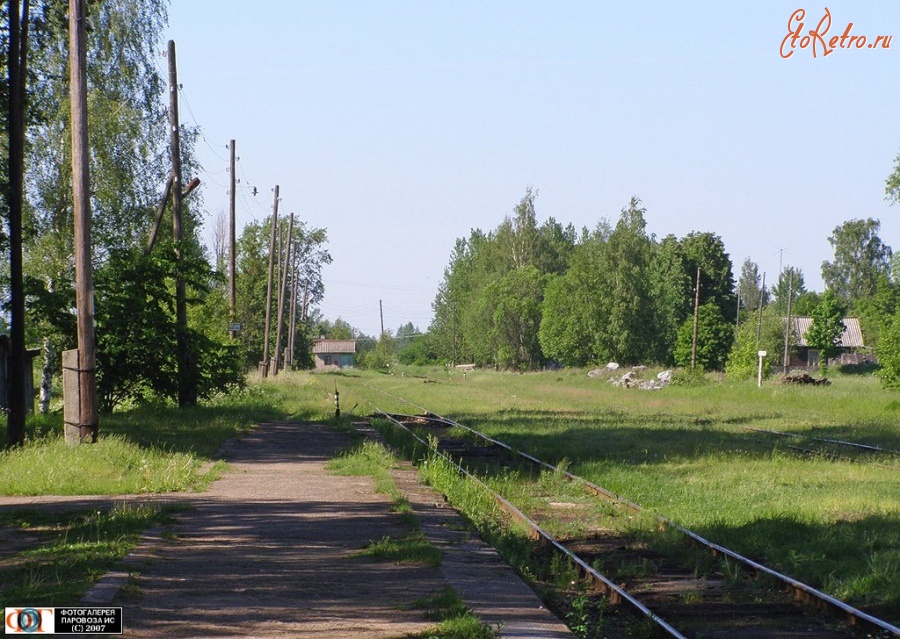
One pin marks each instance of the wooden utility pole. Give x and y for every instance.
(187, 382)
(304, 315)
(787, 324)
(264, 364)
(696, 321)
(232, 290)
(762, 293)
(292, 322)
(81, 191)
(17, 71)
(381, 315)
(283, 294)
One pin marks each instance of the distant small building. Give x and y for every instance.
(851, 346)
(334, 353)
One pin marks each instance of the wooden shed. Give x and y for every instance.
(851, 346)
(334, 353)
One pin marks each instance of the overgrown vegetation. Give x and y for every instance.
(687, 452)
(455, 621)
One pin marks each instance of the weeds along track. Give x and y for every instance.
(634, 558)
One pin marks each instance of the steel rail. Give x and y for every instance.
(866, 447)
(608, 587)
(801, 590)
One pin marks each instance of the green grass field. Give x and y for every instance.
(686, 452)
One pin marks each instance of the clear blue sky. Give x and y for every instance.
(399, 126)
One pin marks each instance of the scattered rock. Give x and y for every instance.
(612, 366)
(627, 380)
(630, 380)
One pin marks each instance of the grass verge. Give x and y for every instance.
(455, 621)
(62, 554)
(152, 448)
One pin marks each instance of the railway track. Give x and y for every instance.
(727, 595)
(828, 447)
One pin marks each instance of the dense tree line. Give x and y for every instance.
(525, 295)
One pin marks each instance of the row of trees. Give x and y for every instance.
(134, 296)
(525, 294)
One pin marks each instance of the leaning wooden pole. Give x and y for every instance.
(264, 364)
(282, 295)
(84, 301)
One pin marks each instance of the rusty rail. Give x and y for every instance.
(601, 582)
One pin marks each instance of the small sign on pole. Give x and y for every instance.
(234, 326)
(761, 354)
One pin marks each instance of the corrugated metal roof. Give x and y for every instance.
(850, 338)
(326, 346)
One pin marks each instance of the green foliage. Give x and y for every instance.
(512, 309)
(824, 334)
(804, 304)
(892, 183)
(627, 335)
(670, 290)
(573, 314)
(876, 312)
(706, 251)
(750, 286)
(888, 352)
(790, 284)
(136, 331)
(462, 307)
(382, 357)
(419, 352)
(860, 258)
(252, 266)
(714, 339)
(743, 360)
